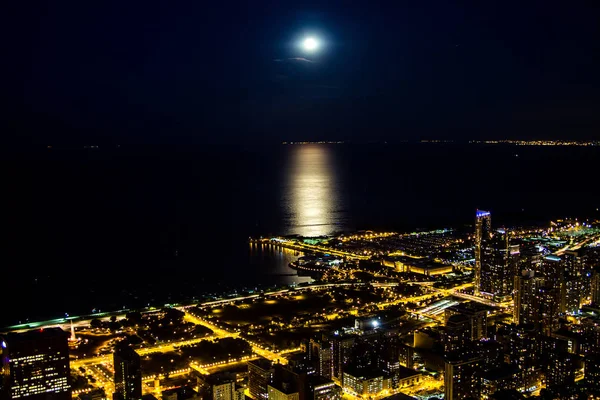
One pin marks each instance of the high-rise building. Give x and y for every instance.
(521, 347)
(128, 373)
(475, 315)
(483, 226)
(501, 378)
(406, 355)
(596, 286)
(341, 348)
(535, 303)
(363, 382)
(321, 388)
(525, 297)
(456, 334)
(282, 392)
(321, 355)
(592, 373)
(560, 371)
(496, 266)
(462, 378)
(217, 386)
(260, 374)
(35, 365)
(565, 274)
(289, 380)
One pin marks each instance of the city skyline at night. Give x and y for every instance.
(284, 200)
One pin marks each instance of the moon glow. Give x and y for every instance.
(310, 44)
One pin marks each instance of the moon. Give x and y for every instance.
(310, 44)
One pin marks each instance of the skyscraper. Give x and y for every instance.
(321, 356)
(526, 307)
(522, 349)
(217, 386)
(592, 373)
(128, 374)
(475, 313)
(341, 346)
(35, 365)
(565, 274)
(496, 271)
(483, 226)
(535, 303)
(596, 285)
(260, 374)
(462, 378)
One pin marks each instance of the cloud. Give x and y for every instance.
(294, 59)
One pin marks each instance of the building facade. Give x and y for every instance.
(128, 374)
(260, 374)
(483, 226)
(363, 384)
(496, 271)
(462, 379)
(35, 365)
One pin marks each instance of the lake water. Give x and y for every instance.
(113, 228)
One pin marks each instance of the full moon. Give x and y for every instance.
(310, 44)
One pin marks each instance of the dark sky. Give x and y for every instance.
(197, 71)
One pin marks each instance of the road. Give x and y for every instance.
(305, 247)
(222, 333)
(427, 384)
(160, 348)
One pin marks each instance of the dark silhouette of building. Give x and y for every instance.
(321, 355)
(35, 365)
(475, 315)
(260, 374)
(502, 378)
(592, 373)
(406, 355)
(217, 386)
(321, 388)
(596, 286)
(483, 226)
(341, 349)
(521, 347)
(560, 371)
(128, 374)
(462, 377)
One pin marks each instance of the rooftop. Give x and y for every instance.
(407, 372)
(34, 335)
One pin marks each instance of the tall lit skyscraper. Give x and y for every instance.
(464, 324)
(483, 226)
(496, 270)
(320, 354)
(526, 307)
(535, 303)
(128, 374)
(35, 365)
(596, 285)
(260, 374)
(565, 274)
(341, 346)
(462, 378)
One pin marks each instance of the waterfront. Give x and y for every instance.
(111, 228)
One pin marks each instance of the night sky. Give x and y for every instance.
(221, 71)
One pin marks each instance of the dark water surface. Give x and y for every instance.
(112, 227)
